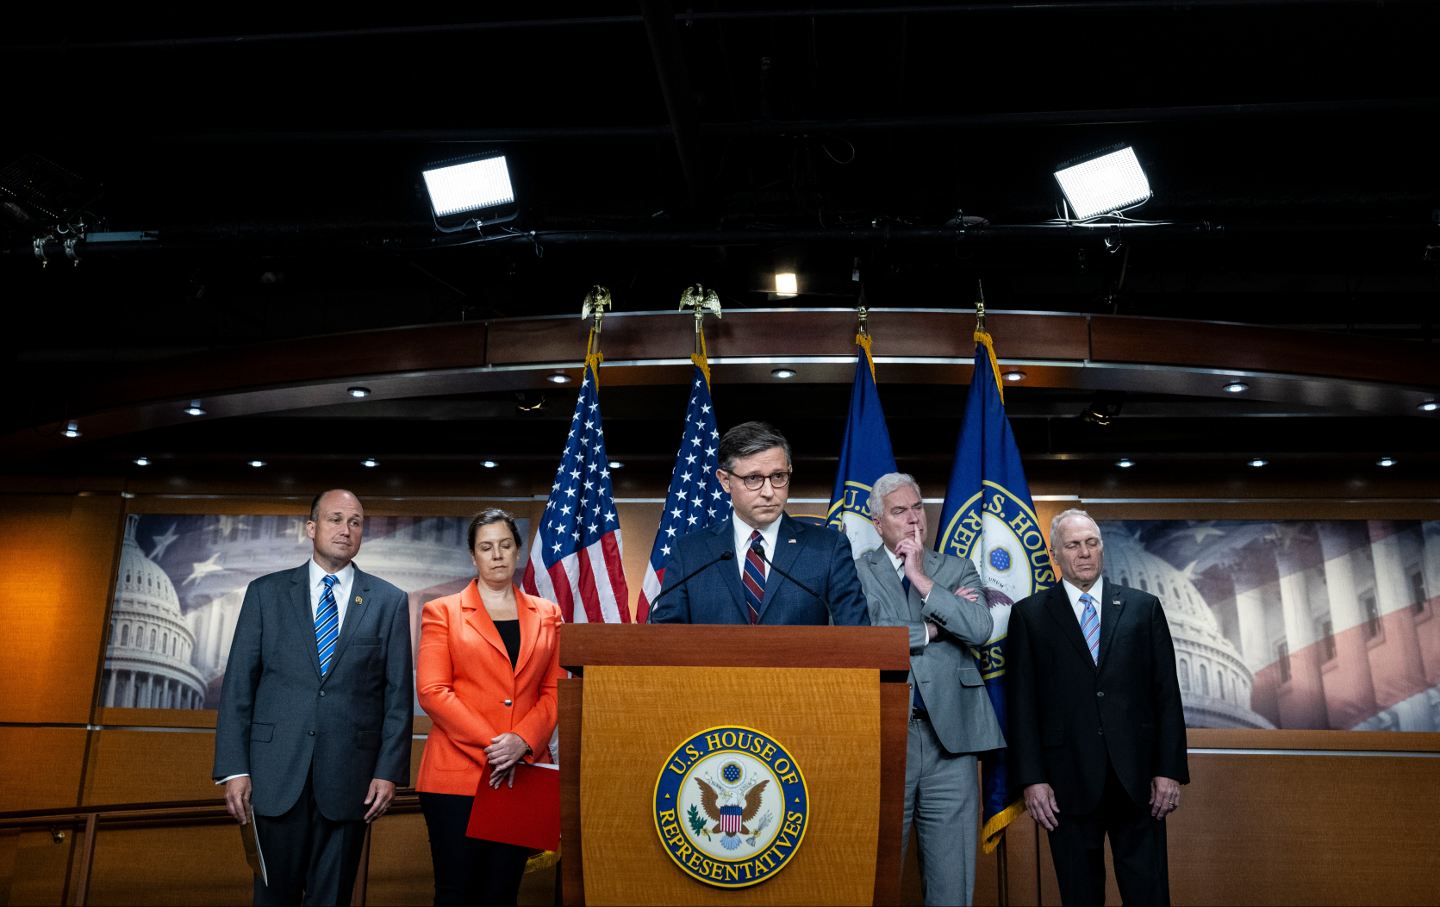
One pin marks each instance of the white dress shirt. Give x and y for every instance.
(1096, 591)
(346, 577)
(769, 535)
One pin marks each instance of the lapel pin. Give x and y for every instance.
(359, 600)
(792, 541)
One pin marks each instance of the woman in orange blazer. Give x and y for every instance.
(489, 660)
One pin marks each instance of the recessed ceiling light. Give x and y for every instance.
(369, 462)
(359, 393)
(489, 464)
(1124, 462)
(616, 464)
(1014, 375)
(783, 373)
(1386, 462)
(558, 378)
(72, 430)
(1429, 406)
(786, 286)
(142, 461)
(1236, 387)
(257, 463)
(194, 409)
(1258, 462)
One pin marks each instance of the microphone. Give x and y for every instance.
(760, 550)
(724, 556)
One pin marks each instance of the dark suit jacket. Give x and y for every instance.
(1069, 716)
(819, 558)
(277, 716)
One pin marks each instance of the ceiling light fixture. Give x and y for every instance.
(194, 409)
(1014, 375)
(786, 286)
(1429, 406)
(558, 378)
(1258, 462)
(1236, 387)
(1104, 409)
(1387, 462)
(369, 462)
(257, 463)
(1103, 184)
(616, 464)
(489, 464)
(477, 190)
(359, 393)
(142, 461)
(783, 373)
(1125, 462)
(72, 430)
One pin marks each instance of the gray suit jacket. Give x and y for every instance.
(278, 716)
(945, 670)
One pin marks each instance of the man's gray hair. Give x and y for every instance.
(888, 484)
(748, 439)
(1065, 515)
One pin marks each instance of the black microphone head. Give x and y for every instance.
(727, 555)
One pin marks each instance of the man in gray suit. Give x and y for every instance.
(938, 597)
(314, 726)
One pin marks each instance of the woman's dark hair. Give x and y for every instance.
(486, 518)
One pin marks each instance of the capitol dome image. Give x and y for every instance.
(148, 663)
(1215, 684)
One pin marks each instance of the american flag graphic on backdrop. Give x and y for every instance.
(575, 558)
(695, 499)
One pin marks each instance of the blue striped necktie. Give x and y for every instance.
(327, 623)
(1090, 626)
(754, 579)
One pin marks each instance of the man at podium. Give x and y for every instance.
(760, 567)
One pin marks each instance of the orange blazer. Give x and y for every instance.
(467, 687)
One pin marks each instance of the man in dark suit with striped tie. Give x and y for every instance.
(1096, 727)
(314, 726)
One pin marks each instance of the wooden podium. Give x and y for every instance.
(832, 699)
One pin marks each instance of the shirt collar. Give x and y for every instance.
(344, 574)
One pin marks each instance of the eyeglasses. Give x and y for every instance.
(753, 482)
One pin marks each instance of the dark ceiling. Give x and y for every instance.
(256, 178)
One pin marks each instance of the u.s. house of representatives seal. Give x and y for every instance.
(731, 806)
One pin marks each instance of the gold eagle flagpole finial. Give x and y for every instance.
(980, 306)
(596, 302)
(700, 302)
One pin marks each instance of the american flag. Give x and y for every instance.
(695, 499)
(576, 553)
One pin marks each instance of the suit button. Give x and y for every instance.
(322, 694)
(311, 733)
(507, 702)
(1100, 694)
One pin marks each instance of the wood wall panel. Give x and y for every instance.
(191, 864)
(57, 564)
(40, 767)
(130, 766)
(32, 866)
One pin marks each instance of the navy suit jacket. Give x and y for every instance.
(278, 716)
(1069, 717)
(817, 557)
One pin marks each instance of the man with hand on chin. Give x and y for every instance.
(1097, 730)
(938, 598)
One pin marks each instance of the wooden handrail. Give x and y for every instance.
(172, 812)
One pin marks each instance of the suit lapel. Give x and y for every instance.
(479, 620)
(359, 601)
(1058, 604)
(299, 608)
(787, 548)
(722, 539)
(1110, 616)
(529, 628)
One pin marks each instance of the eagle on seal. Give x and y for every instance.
(710, 803)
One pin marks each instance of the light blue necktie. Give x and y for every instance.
(1090, 626)
(327, 623)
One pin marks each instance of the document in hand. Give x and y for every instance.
(251, 839)
(527, 814)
